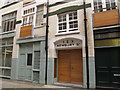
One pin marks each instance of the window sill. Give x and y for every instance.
(67, 33)
(3, 67)
(8, 32)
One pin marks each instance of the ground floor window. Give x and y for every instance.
(6, 61)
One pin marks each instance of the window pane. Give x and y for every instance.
(8, 26)
(107, 4)
(8, 57)
(39, 15)
(11, 25)
(14, 24)
(3, 56)
(100, 8)
(95, 9)
(113, 6)
(29, 59)
(36, 59)
(31, 19)
(64, 26)
(73, 16)
(39, 18)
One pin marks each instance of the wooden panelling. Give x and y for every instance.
(106, 18)
(64, 66)
(76, 66)
(26, 31)
(70, 66)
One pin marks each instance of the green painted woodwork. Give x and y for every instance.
(42, 63)
(68, 9)
(28, 40)
(50, 75)
(107, 65)
(107, 42)
(110, 30)
(57, 3)
(31, 73)
(92, 83)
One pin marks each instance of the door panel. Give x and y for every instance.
(76, 67)
(22, 68)
(64, 67)
(70, 66)
(107, 67)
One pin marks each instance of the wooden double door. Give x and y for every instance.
(70, 66)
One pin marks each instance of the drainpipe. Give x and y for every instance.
(46, 42)
(86, 43)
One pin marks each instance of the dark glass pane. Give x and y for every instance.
(60, 28)
(75, 25)
(8, 26)
(29, 59)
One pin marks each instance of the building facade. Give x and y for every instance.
(31, 42)
(10, 16)
(22, 42)
(67, 56)
(107, 42)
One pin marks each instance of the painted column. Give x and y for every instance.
(92, 82)
(42, 63)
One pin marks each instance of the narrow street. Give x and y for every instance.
(6, 84)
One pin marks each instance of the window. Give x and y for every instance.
(39, 15)
(9, 22)
(29, 59)
(67, 22)
(28, 11)
(110, 4)
(6, 56)
(99, 6)
(28, 17)
(36, 59)
(28, 20)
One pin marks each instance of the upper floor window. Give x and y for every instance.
(99, 5)
(39, 15)
(68, 22)
(9, 21)
(31, 10)
(110, 4)
(28, 17)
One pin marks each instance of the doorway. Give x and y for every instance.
(70, 66)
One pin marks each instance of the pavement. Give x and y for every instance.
(7, 84)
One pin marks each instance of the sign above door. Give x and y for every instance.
(68, 43)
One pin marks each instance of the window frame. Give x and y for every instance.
(38, 12)
(7, 18)
(29, 61)
(68, 29)
(28, 15)
(104, 5)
